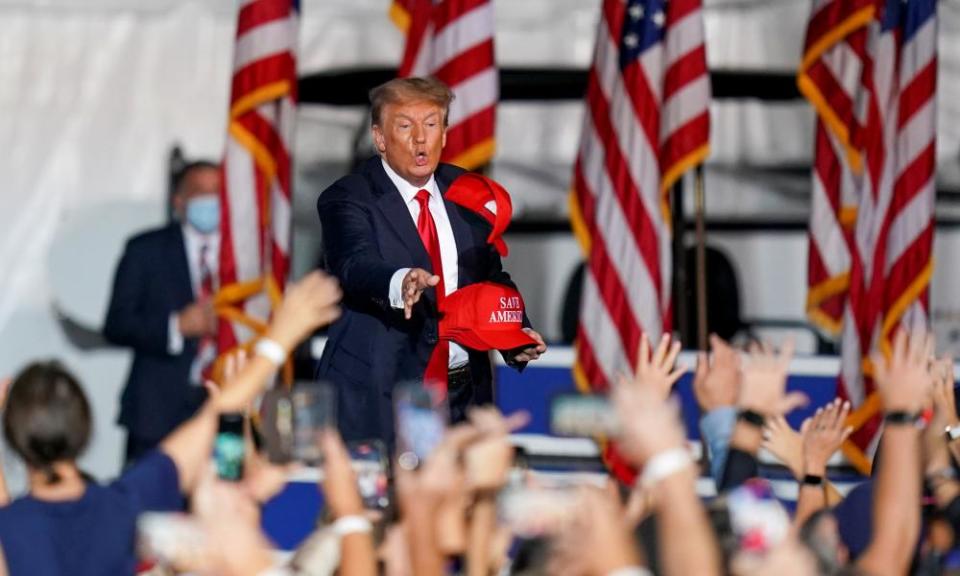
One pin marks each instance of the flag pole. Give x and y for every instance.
(701, 244)
(678, 224)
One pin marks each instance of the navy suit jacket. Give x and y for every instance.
(368, 235)
(151, 282)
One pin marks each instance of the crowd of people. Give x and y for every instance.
(448, 514)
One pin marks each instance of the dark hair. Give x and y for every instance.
(182, 174)
(409, 90)
(47, 417)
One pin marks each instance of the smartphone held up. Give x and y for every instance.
(293, 420)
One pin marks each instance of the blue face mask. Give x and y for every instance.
(204, 214)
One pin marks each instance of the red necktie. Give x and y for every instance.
(207, 349)
(436, 374)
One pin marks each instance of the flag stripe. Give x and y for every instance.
(468, 30)
(260, 12)
(468, 63)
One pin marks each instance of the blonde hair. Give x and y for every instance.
(414, 89)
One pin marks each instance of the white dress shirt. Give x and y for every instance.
(448, 247)
(193, 241)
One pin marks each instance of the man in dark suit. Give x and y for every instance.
(395, 243)
(161, 308)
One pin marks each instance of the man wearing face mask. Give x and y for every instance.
(161, 307)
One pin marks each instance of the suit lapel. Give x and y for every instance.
(396, 213)
(180, 269)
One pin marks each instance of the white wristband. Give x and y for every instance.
(271, 350)
(663, 465)
(631, 571)
(351, 525)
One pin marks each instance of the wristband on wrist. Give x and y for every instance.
(903, 418)
(631, 571)
(271, 350)
(751, 417)
(346, 525)
(812, 480)
(952, 433)
(664, 464)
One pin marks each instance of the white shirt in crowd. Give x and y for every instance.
(448, 247)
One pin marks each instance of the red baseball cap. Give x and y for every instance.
(487, 198)
(485, 316)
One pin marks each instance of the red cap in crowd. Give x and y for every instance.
(487, 198)
(485, 316)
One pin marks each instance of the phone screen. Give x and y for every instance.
(312, 408)
(228, 448)
(369, 460)
(420, 424)
(582, 415)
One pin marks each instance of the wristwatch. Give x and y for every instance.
(952, 433)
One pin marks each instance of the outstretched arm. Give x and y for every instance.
(308, 304)
(905, 386)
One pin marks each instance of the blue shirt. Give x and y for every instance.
(716, 428)
(94, 534)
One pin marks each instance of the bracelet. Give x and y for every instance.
(751, 417)
(812, 480)
(271, 350)
(346, 525)
(631, 571)
(952, 433)
(664, 464)
(902, 418)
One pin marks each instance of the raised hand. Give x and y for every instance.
(716, 382)
(488, 459)
(414, 283)
(904, 381)
(764, 382)
(648, 424)
(823, 434)
(596, 540)
(657, 371)
(785, 443)
(307, 305)
(339, 479)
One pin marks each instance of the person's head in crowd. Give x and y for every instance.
(409, 122)
(196, 197)
(47, 421)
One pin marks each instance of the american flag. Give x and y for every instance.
(256, 196)
(646, 122)
(452, 40)
(887, 133)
